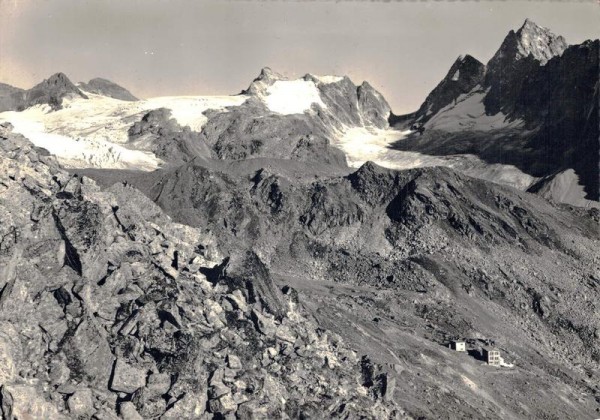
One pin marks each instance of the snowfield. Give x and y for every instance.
(362, 144)
(468, 112)
(292, 96)
(77, 152)
(92, 133)
(187, 110)
(329, 79)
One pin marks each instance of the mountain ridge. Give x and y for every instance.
(536, 109)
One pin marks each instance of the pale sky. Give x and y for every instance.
(188, 47)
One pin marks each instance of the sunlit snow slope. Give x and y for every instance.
(92, 133)
(292, 96)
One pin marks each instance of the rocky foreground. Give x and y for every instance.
(108, 308)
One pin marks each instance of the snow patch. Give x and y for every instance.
(456, 76)
(329, 79)
(564, 187)
(188, 110)
(468, 112)
(292, 96)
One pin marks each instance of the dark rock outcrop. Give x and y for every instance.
(250, 131)
(162, 135)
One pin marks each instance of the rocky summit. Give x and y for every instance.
(298, 251)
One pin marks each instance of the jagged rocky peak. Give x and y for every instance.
(521, 54)
(108, 88)
(336, 98)
(466, 68)
(58, 82)
(267, 74)
(265, 79)
(539, 42)
(530, 39)
(51, 91)
(466, 73)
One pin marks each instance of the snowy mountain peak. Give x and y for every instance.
(265, 79)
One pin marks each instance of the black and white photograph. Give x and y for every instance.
(261, 209)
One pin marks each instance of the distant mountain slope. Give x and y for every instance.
(6, 90)
(275, 117)
(105, 87)
(534, 105)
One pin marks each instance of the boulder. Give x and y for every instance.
(127, 378)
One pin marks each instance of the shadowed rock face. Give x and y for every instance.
(50, 92)
(105, 87)
(6, 90)
(10, 97)
(108, 307)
